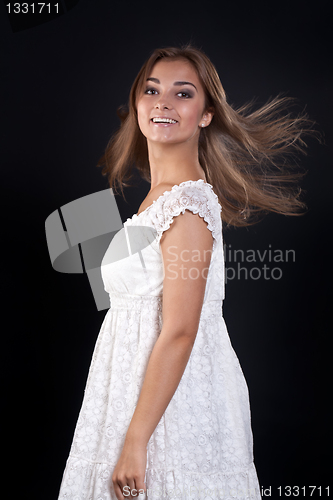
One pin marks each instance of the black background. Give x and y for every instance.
(62, 82)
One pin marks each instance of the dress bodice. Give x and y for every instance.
(140, 273)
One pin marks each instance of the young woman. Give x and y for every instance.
(166, 409)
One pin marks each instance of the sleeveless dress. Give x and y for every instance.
(202, 448)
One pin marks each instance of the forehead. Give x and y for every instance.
(171, 70)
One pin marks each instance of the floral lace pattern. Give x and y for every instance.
(202, 448)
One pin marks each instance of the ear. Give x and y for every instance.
(206, 118)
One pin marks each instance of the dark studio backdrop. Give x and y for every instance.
(62, 81)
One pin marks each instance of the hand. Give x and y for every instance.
(129, 473)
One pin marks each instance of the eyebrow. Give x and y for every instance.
(176, 83)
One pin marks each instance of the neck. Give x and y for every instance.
(173, 163)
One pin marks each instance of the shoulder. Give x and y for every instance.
(155, 194)
(197, 197)
(160, 189)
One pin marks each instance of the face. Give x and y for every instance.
(173, 91)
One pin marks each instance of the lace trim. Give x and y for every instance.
(198, 183)
(189, 195)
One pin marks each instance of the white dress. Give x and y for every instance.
(202, 447)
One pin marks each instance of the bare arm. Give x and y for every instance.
(186, 249)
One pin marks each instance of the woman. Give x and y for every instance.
(166, 408)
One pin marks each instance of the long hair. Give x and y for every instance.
(245, 154)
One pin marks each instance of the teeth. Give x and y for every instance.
(163, 120)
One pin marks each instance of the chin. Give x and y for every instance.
(167, 140)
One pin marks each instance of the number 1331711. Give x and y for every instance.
(297, 491)
(32, 8)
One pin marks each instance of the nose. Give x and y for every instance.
(163, 104)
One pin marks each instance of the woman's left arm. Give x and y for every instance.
(186, 249)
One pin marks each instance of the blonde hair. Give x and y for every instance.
(243, 153)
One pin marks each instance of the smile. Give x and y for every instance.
(163, 120)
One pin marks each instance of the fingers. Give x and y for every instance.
(129, 488)
(121, 487)
(118, 491)
(141, 489)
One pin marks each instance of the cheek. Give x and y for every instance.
(142, 114)
(192, 115)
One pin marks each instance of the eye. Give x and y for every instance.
(185, 95)
(150, 90)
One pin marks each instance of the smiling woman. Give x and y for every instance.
(169, 114)
(166, 411)
(245, 154)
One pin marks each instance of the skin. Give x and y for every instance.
(173, 158)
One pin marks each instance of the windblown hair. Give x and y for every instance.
(244, 154)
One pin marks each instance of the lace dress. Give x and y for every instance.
(202, 447)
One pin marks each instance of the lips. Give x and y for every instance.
(166, 120)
